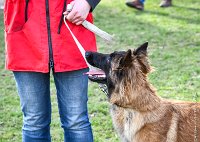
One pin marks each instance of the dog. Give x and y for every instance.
(138, 113)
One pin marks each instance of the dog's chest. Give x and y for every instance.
(126, 122)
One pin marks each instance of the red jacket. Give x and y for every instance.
(37, 38)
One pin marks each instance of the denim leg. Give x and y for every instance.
(142, 1)
(72, 102)
(34, 92)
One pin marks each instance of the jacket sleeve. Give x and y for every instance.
(93, 3)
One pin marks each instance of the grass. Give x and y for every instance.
(174, 49)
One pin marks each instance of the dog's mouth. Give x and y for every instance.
(98, 76)
(96, 73)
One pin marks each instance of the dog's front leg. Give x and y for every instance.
(172, 132)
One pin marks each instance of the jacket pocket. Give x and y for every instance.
(15, 15)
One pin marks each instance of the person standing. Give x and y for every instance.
(139, 4)
(36, 43)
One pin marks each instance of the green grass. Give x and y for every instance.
(174, 50)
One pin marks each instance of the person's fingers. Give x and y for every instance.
(79, 11)
(69, 8)
(77, 18)
(65, 13)
(72, 16)
(79, 23)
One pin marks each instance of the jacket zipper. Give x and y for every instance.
(51, 62)
(26, 10)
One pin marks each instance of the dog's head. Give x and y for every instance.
(122, 68)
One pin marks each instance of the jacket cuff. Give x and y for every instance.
(93, 3)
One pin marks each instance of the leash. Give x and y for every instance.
(95, 30)
(91, 27)
(80, 47)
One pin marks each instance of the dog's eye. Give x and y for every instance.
(112, 55)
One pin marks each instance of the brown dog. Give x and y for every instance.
(138, 114)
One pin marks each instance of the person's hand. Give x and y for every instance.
(79, 12)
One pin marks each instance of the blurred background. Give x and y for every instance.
(1, 4)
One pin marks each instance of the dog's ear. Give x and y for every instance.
(126, 61)
(142, 49)
(141, 54)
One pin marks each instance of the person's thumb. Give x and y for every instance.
(71, 5)
(69, 8)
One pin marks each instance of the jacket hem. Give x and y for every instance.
(46, 71)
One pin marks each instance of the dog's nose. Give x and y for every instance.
(87, 54)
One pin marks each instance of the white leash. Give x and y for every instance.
(95, 30)
(80, 47)
(102, 87)
(90, 27)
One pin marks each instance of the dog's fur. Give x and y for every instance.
(138, 114)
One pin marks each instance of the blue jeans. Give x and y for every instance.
(34, 92)
(142, 1)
